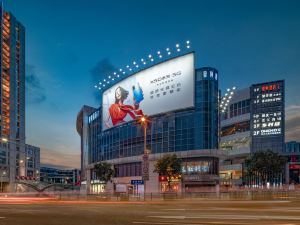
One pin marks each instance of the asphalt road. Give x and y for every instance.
(192, 212)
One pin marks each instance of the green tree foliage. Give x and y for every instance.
(264, 165)
(169, 166)
(104, 171)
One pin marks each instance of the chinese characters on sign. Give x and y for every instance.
(267, 117)
(267, 123)
(165, 85)
(137, 182)
(195, 167)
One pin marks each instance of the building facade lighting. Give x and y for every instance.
(144, 62)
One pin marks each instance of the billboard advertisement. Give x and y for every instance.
(162, 88)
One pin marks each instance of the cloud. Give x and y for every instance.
(35, 92)
(58, 159)
(101, 70)
(292, 123)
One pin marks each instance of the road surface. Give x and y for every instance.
(23, 211)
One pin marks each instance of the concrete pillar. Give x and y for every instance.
(153, 183)
(88, 181)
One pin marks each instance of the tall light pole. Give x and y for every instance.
(143, 121)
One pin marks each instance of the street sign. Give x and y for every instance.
(137, 182)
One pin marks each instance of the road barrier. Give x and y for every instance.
(245, 194)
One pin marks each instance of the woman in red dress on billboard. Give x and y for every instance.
(118, 111)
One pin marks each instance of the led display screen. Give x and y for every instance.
(268, 107)
(162, 88)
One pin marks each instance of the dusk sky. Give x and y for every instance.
(70, 44)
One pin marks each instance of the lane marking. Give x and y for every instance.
(166, 223)
(213, 222)
(236, 209)
(233, 217)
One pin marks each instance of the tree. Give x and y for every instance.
(264, 165)
(104, 171)
(169, 166)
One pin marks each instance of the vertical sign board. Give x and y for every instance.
(267, 116)
(145, 166)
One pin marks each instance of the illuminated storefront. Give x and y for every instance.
(231, 175)
(172, 184)
(199, 172)
(97, 187)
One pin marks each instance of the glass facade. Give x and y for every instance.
(32, 161)
(59, 176)
(128, 169)
(292, 147)
(240, 108)
(190, 129)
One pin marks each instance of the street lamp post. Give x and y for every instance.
(144, 123)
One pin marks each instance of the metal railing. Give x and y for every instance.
(223, 194)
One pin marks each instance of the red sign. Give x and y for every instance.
(165, 178)
(270, 87)
(162, 178)
(294, 166)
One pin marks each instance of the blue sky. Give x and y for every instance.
(70, 44)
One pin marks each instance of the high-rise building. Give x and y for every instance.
(12, 101)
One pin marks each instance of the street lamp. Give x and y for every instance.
(144, 121)
(4, 139)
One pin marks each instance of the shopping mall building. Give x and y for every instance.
(254, 120)
(182, 104)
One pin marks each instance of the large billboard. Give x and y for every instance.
(162, 88)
